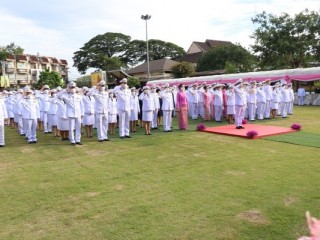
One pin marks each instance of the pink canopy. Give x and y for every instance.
(288, 75)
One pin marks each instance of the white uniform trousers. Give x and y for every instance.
(300, 100)
(20, 125)
(154, 123)
(167, 119)
(251, 111)
(290, 107)
(124, 123)
(74, 125)
(2, 132)
(217, 113)
(102, 125)
(279, 111)
(31, 129)
(284, 109)
(239, 115)
(195, 110)
(45, 122)
(201, 109)
(260, 110)
(267, 110)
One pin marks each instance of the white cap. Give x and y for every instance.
(71, 84)
(101, 83)
(124, 80)
(27, 89)
(238, 81)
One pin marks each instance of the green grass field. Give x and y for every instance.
(179, 185)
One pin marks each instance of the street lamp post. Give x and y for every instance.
(146, 18)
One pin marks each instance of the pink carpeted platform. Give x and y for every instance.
(262, 130)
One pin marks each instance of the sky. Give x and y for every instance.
(59, 28)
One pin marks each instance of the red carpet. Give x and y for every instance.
(262, 130)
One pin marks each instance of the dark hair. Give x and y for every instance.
(180, 86)
(205, 87)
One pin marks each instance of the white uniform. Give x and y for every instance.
(52, 119)
(123, 106)
(113, 112)
(3, 115)
(240, 101)
(135, 107)
(44, 108)
(268, 92)
(252, 100)
(88, 106)
(261, 102)
(167, 108)
(218, 104)
(147, 106)
(101, 106)
(301, 94)
(74, 110)
(156, 102)
(231, 110)
(30, 115)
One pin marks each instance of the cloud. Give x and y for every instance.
(60, 28)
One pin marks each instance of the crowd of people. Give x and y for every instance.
(64, 112)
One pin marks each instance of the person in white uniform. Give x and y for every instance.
(30, 114)
(231, 103)
(301, 95)
(89, 114)
(252, 100)
(123, 95)
(135, 109)
(101, 106)
(290, 105)
(3, 117)
(113, 113)
(147, 109)
(268, 92)
(261, 101)
(240, 101)
(44, 108)
(167, 108)
(75, 112)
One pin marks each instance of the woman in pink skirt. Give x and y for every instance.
(206, 103)
(182, 107)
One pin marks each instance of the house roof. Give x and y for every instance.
(192, 57)
(160, 65)
(21, 58)
(54, 60)
(63, 62)
(215, 43)
(119, 74)
(10, 57)
(44, 59)
(33, 59)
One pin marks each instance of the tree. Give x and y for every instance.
(286, 42)
(53, 79)
(133, 82)
(183, 69)
(84, 81)
(217, 58)
(116, 45)
(12, 48)
(99, 48)
(159, 49)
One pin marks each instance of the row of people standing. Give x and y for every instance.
(217, 101)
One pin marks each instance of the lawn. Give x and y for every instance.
(179, 185)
